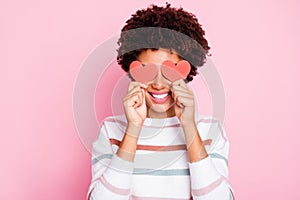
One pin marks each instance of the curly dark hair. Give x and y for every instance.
(167, 27)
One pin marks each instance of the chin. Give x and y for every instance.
(159, 109)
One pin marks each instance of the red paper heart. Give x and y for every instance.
(142, 73)
(175, 72)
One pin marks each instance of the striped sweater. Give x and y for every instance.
(161, 169)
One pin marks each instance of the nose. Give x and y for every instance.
(160, 81)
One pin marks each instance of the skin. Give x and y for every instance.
(138, 105)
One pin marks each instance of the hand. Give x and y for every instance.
(184, 102)
(135, 105)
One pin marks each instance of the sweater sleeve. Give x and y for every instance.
(209, 176)
(111, 175)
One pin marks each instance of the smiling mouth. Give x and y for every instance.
(160, 97)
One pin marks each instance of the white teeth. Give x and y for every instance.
(160, 96)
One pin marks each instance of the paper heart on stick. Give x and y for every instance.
(146, 73)
(143, 73)
(175, 72)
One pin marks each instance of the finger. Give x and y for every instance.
(182, 92)
(131, 92)
(177, 94)
(140, 102)
(134, 90)
(185, 101)
(135, 100)
(180, 82)
(181, 89)
(134, 84)
(180, 96)
(143, 96)
(179, 104)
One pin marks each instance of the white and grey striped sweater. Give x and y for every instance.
(161, 169)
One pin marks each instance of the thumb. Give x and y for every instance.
(143, 97)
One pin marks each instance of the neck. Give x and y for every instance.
(160, 115)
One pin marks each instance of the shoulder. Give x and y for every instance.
(114, 120)
(211, 130)
(115, 126)
(207, 120)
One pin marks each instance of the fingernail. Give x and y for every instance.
(144, 85)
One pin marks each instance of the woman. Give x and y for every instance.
(161, 148)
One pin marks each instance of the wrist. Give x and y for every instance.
(128, 146)
(133, 130)
(189, 124)
(190, 133)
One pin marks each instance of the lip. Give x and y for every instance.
(160, 92)
(160, 101)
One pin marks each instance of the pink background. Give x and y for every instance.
(42, 45)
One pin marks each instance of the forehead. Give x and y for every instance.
(157, 56)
